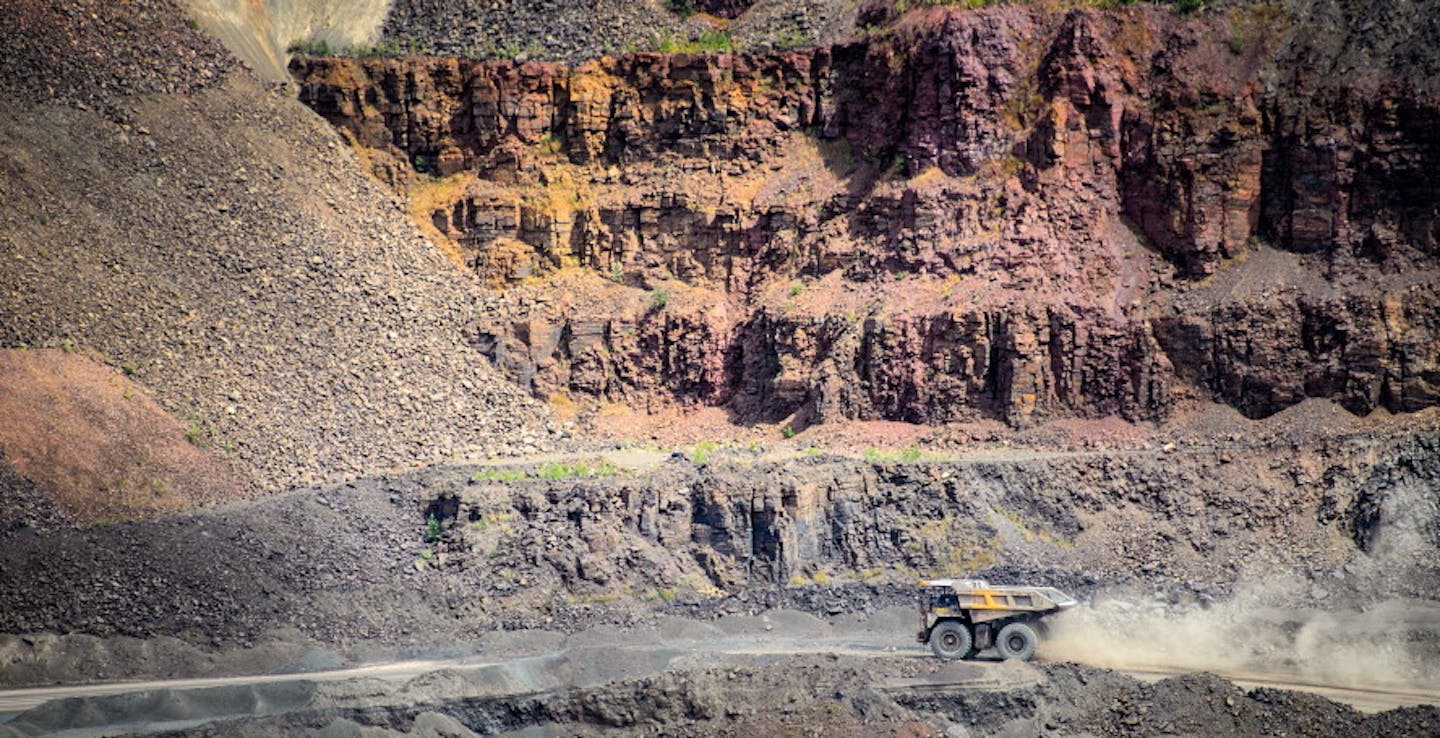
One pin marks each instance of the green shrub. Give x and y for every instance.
(551, 143)
(195, 431)
(792, 40)
(659, 298)
(555, 470)
(312, 47)
(910, 453)
(702, 451)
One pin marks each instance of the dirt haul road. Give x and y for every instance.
(530, 663)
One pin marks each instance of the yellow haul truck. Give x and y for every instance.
(960, 617)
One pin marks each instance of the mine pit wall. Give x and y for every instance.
(1051, 134)
(1193, 520)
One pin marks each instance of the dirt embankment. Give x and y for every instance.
(96, 444)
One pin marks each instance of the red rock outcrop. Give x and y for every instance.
(1003, 213)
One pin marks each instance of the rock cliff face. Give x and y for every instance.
(1001, 213)
(1198, 518)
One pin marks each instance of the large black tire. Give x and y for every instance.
(952, 640)
(1016, 641)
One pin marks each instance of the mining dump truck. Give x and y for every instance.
(961, 617)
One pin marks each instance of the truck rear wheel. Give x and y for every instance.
(1016, 641)
(951, 640)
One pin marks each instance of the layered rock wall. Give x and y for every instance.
(1206, 518)
(975, 214)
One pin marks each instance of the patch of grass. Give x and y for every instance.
(433, 529)
(871, 574)
(384, 49)
(666, 594)
(702, 451)
(556, 470)
(311, 47)
(1236, 41)
(500, 521)
(787, 432)
(195, 432)
(551, 143)
(792, 40)
(797, 289)
(659, 298)
(549, 471)
(909, 454)
(709, 42)
(816, 577)
(499, 474)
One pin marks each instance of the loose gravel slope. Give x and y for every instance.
(219, 241)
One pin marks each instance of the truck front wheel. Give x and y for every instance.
(951, 640)
(1016, 641)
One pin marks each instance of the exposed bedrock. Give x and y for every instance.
(1011, 364)
(1003, 213)
(1268, 352)
(1196, 517)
